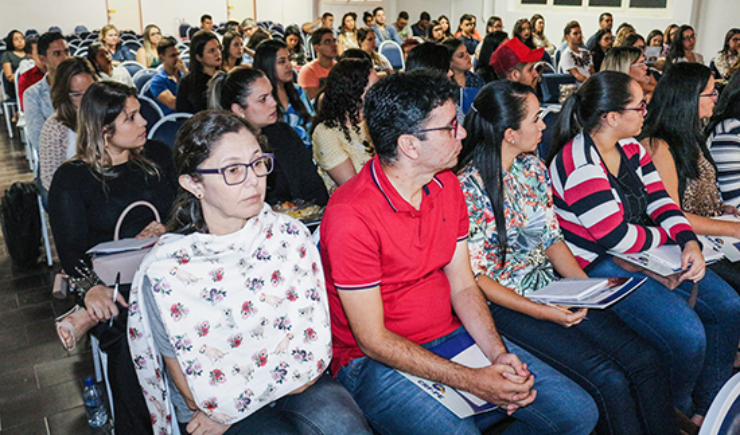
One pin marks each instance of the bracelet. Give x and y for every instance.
(87, 280)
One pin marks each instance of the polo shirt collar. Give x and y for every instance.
(394, 199)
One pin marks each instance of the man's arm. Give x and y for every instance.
(579, 77)
(165, 97)
(309, 27)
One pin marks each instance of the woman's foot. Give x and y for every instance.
(72, 325)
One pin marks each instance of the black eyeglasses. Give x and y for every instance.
(452, 127)
(713, 94)
(237, 172)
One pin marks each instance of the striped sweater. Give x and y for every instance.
(724, 144)
(590, 209)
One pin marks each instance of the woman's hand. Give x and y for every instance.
(562, 315)
(154, 229)
(201, 424)
(670, 281)
(693, 259)
(730, 210)
(100, 305)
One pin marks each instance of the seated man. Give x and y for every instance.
(420, 28)
(383, 32)
(516, 62)
(165, 83)
(326, 20)
(313, 75)
(575, 59)
(33, 75)
(395, 255)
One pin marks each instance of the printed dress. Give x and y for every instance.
(531, 226)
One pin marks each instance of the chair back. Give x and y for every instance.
(142, 77)
(549, 115)
(183, 30)
(24, 66)
(550, 86)
(723, 417)
(394, 53)
(132, 67)
(150, 111)
(132, 44)
(467, 96)
(165, 130)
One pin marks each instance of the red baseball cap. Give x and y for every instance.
(511, 53)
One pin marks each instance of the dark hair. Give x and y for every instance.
(630, 40)
(424, 16)
(401, 103)
(448, 32)
(728, 105)
(492, 20)
(319, 33)
(429, 55)
(31, 40)
(9, 39)
(66, 112)
(464, 17)
(653, 33)
(257, 37)
(607, 91)
(232, 26)
(570, 26)
(362, 33)
(403, 15)
(677, 49)
(673, 117)
(234, 87)
(195, 142)
(452, 45)
(165, 43)
(375, 11)
(728, 36)
(604, 15)
(45, 41)
(595, 44)
(197, 46)
(365, 16)
(327, 15)
(92, 53)
(344, 17)
(532, 22)
(430, 29)
(497, 107)
(226, 47)
(518, 27)
(355, 53)
(490, 43)
(295, 31)
(265, 59)
(205, 17)
(342, 101)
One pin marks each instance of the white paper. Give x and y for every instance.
(122, 245)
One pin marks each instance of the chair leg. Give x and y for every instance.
(8, 119)
(45, 232)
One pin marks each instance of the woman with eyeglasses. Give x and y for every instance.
(683, 100)
(205, 60)
(600, 46)
(233, 303)
(114, 167)
(631, 61)
(727, 57)
(516, 248)
(609, 197)
(682, 48)
(248, 93)
(147, 54)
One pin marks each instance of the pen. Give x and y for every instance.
(115, 294)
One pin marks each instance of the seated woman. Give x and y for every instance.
(294, 42)
(147, 54)
(366, 39)
(538, 34)
(342, 143)
(435, 32)
(684, 98)
(58, 141)
(460, 65)
(109, 37)
(682, 48)
(487, 47)
(600, 47)
(347, 38)
(115, 166)
(507, 186)
(273, 58)
(205, 60)
(631, 61)
(726, 57)
(248, 93)
(232, 51)
(229, 236)
(99, 57)
(11, 59)
(724, 140)
(608, 196)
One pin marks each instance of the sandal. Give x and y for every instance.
(76, 322)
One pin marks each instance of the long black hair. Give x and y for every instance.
(265, 59)
(677, 49)
(490, 43)
(197, 46)
(518, 27)
(226, 49)
(673, 117)
(499, 106)
(728, 36)
(607, 91)
(728, 105)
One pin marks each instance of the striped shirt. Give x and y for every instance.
(724, 144)
(589, 204)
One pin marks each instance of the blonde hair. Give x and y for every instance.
(151, 52)
(105, 29)
(620, 59)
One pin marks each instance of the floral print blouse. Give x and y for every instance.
(532, 226)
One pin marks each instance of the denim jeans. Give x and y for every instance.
(698, 344)
(324, 408)
(394, 405)
(618, 368)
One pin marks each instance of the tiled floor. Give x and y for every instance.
(40, 383)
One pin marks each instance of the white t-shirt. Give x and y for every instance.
(580, 60)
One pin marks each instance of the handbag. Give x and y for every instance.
(107, 266)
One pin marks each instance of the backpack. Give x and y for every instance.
(21, 223)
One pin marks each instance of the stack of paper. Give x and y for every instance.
(586, 293)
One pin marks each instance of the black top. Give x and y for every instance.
(83, 213)
(191, 94)
(418, 31)
(633, 194)
(295, 175)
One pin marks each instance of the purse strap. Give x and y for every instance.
(128, 209)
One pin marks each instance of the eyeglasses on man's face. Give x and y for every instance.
(452, 127)
(237, 173)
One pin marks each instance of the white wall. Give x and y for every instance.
(42, 14)
(715, 18)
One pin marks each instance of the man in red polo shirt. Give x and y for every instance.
(393, 244)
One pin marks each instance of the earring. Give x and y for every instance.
(105, 141)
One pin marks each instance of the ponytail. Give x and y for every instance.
(234, 87)
(215, 87)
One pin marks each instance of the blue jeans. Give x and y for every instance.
(394, 405)
(324, 408)
(619, 369)
(699, 344)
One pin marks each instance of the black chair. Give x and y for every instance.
(150, 111)
(550, 86)
(550, 117)
(165, 130)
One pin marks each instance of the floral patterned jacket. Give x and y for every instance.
(532, 226)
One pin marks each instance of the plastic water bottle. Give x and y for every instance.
(97, 416)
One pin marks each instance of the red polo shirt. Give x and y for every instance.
(28, 79)
(371, 236)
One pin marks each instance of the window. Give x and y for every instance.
(606, 3)
(655, 4)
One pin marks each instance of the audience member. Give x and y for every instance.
(53, 50)
(729, 53)
(537, 23)
(206, 23)
(516, 248)
(147, 54)
(596, 128)
(446, 27)
(494, 24)
(682, 47)
(489, 45)
(367, 39)
(631, 61)
(606, 22)
(114, 166)
(294, 42)
(294, 107)
(341, 142)
(401, 26)
(231, 51)
(258, 36)
(515, 61)
(383, 32)
(100, 57)
(347, 38)
(58, 139)
(655, 38)
(430, 55)
(409, 45)
(11, 59)
(220, 222)
(368, 19)
(248, 27)
(312, 76)
(393, 244)
(435, 32)
(576, 60)
(420, 27)
(33, 75)
(523, 31)
(599, 46)
(231, 26)
(166, 82)
(109, 37)
(723, 130)
(326, 20)
(466, 33)
(634, 40)
(623, 31)
(461, 64)
(248, 93)
(205, 60)
(668, 35)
